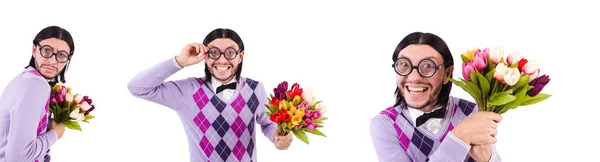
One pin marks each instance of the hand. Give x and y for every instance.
(282, 142)
(191, 54)
(58, 128)
(481, 152)
(479, 128)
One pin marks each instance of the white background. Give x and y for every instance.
(342, 49)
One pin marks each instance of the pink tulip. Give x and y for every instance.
(513, 57)
(534, 75)
(496, 54)
(468, 68)
(531, 67)
(501, 70)
(512, 76)
(480, 59)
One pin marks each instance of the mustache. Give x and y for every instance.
(416, 82)
(47, 65)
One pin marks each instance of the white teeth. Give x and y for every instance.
(415, 89)
(221, 68)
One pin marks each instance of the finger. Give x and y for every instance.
(495, 117)
(493, 124)
(491, 140)
(493, 132)
(204, 49)
(197, 46)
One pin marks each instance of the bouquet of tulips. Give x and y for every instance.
(499, 84)
(68, 108)
(295, 110)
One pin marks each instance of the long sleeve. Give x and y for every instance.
(388, 149)
(386, 142)
(268, 127)
(28, 103)
(452, 149)
(151, 85)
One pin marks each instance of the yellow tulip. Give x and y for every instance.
(470, 53)
(296, 120)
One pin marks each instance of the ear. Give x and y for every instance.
(33, 51)
(242, 56)
(448, 73)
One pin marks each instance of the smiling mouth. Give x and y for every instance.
(416, 90)
(222, 68)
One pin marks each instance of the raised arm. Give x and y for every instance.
(150, 85)
(28, 103)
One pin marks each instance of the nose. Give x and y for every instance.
(414, 75)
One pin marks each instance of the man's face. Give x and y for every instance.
(223, 69)
(50, 67)
(421, 92)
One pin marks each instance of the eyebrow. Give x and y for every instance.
(41, 45)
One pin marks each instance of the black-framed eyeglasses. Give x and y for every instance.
(426, 67)
(47, 52)
(215, 53)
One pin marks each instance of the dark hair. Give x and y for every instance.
(58, 33)
(436, 43)
(223, 33)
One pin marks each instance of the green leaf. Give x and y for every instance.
(490, 75)
(523, 80)
(271, 96)
(273, 108)
(320, 120)
(72, 125)
(475, 89)
(474, 78)
(521, 95)
(537, 98)
(73, 107)
(89, 116)
(490, 66)
(301, 135)
(462, 84)
(312, 107)
(287, 97)
(465, 58)
(484, 84)
(318, 102)
(315, 132)
(501, 98)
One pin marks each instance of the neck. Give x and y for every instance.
(222, 81)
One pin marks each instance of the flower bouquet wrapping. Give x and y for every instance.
(68, 108)
(295, 110)
(499, 84)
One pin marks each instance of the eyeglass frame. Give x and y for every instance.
(412, 66)
(54, 54)
(223, 53)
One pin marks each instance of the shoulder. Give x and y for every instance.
(31, 78)
(465, 105)
(388, 114)
(252, 83)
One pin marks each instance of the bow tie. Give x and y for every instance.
(226, 86)
(439, 113)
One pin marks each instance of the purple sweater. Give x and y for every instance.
(397, 140)
(24, 119)
(216, 129)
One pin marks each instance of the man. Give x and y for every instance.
(426, 123)
(24, 115)
(219, 110)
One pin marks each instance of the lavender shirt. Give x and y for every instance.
(217, 129)
(396, 139)
(24, 119)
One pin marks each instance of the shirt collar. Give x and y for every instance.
(215, 83)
